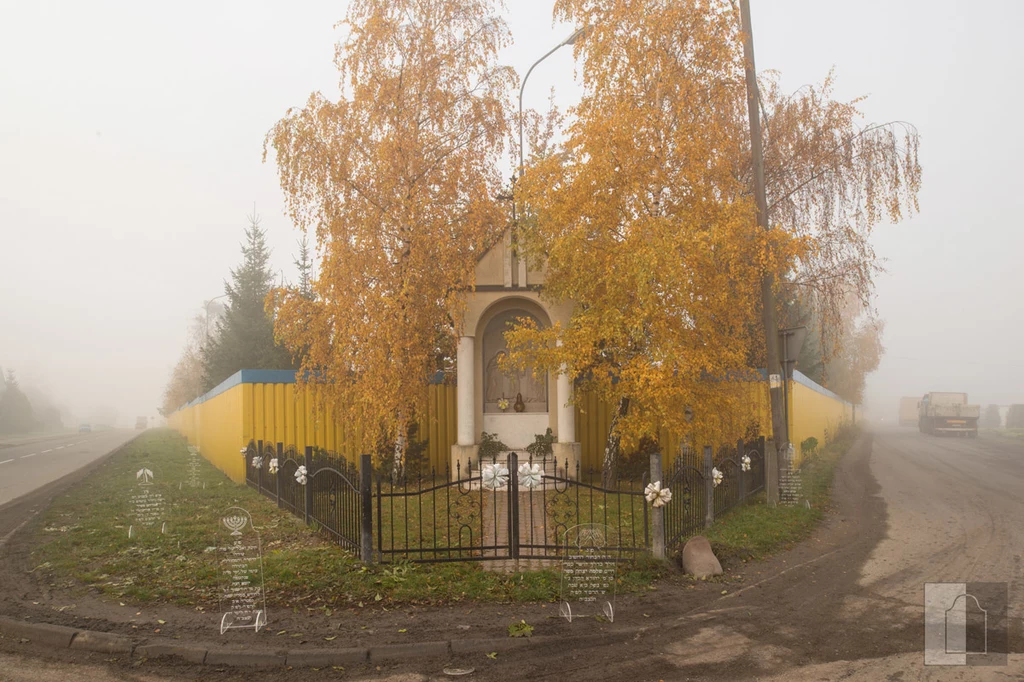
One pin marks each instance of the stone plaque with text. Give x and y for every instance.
(589, 567)
(147, 502)
(240, 555)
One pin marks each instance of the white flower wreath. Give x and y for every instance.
(657, 495)
(716, 476)
(300, 475)
(273, 466)
(745, 463)
(494, 476)
(530, 475)
(257, 461)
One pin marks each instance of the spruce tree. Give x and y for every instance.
(244, 336)
(304, 264)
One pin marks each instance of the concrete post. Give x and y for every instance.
(657, 513)
(365, 510)
(709, 486)
(740, 452)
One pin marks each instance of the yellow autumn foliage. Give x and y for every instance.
(398, 180)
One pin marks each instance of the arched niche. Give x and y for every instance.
(499, 384)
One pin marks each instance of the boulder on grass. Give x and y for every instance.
(698, 559)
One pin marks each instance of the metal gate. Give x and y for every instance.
(511, 507)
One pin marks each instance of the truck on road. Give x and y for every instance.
(908, 411)
(948, 414)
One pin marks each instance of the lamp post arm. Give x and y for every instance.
(522, 86)
(206, 323)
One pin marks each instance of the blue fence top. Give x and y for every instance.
(267, 376)
(802, 379)
(287, 376)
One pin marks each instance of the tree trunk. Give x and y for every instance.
(398, 457)
(611, 445)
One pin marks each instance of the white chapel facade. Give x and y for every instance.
(516, 406)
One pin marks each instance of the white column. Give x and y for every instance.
(465, 391)
(566, 413)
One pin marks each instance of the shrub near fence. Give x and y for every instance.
(470, 515)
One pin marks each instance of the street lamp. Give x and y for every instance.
(576, 35)
(206, 322)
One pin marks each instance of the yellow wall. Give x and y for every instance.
(814, 412)
(214, 426)
(220, 426)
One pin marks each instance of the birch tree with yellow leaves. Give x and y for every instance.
(399, 181)
(645, 216)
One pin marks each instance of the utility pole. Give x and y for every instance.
(776, 388)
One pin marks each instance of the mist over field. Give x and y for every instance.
(133, 143)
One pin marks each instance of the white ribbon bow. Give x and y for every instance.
(530, 475)
(300, 475)
(657, 495)
(494, 476)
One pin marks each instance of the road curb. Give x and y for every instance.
(61, 637)
(103, 642)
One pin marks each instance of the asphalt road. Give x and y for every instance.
(28, 467)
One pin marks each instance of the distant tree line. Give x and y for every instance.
(17, 414)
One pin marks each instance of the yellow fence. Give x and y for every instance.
(814, 411)
(267, 405)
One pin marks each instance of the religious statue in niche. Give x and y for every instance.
(508, 391)
(519, 389)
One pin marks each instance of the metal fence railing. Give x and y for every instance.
(509, 507)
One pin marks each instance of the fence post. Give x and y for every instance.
(740, 452)
(366, 509)
(764, 467)
(513, 504)
(657, 513)
(259, 471)
(277, 474)
(709, 487)
(309, 484)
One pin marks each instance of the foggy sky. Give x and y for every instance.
(130, 153)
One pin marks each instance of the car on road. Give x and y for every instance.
(141, 423)
(84, 428)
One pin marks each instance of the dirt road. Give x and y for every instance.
(910, 509)
(846, 604)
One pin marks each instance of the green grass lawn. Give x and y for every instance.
(84, 544)
(84, 539)
(754, 530)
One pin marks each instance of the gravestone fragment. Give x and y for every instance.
(192, 470)
(790, 487)
(243, 600)
(147, 502)
(588, 572)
